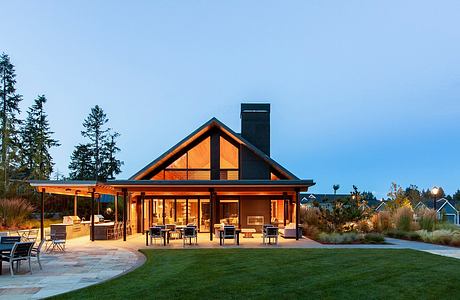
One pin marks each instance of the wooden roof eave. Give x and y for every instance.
(81, 188)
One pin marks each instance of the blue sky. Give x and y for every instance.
(362, 92)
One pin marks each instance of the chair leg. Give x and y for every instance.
(30, 266)
(39, 262)
(11, 268)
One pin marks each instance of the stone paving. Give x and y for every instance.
(86, 263)
(82, 264)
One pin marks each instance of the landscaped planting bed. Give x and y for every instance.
(283, 274)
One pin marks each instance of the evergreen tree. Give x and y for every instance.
(97, 134)
(81, 164)
(36, 141)
(413, 194)
(111, 166)
(100, 150)
(9, 109)
(456, 196)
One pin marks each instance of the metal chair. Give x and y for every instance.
(270, 233)
(58, 240)
(32, 236)
(155, 233)
(20, 252)
(229, 233)
(36, 251)
(189, 233)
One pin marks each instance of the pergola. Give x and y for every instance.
(161, 188)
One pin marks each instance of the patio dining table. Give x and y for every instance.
(4, 249)
(164, 233)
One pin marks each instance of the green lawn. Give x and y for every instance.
(283, 273)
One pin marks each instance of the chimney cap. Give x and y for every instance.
(255, 107)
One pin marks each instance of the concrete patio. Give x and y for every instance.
(86, 263)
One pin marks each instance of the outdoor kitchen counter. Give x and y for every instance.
(71, 230)
(101, 230)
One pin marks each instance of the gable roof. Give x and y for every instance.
(440, 203)
(206, 127)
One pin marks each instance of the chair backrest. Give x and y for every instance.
(189, 231)
(161, 226)
(272, 231)
(40, 245)
(59, 236)
(9, 239)
(21, 249)
(155, 231)
(229, 230)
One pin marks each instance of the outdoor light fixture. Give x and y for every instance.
(434, 191)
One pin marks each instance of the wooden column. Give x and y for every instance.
(297, 214)
(75, 204)
(199, 215)
(285, 201)
(42, 215)
(150, 212)
(98, 204)
(211, 208)
(142, 212)
(239, 212)
(116, 207)
(92, 215)
(164, 211)
(125, 211)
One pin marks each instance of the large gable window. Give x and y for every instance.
(195, 164)
(229, 160)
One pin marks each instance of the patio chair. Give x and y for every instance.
(58, 240)
(36, 251)
(173, 233)
(20, 252)
(10, 239)
(229, 233)
(33, 234)
(155, 233)
(270, 233)
(111, 232)
(48, 241)
(189, 233)
(4, 233)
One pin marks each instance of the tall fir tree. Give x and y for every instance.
(9, 109)
(101, 149)
(36, 140)
(81, 164)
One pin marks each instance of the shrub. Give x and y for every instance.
(339, 238)
(427, 219)
(401, 234)
(13, 212)
(381, 221)
(442, 237)
(455, 239)
(311, 216)
(364, 226)
(402, 218)
(310, 231)
(447, 226)
(374, 238)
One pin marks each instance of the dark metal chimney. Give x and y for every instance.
(255, 125)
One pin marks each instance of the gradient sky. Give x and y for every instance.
(362, 92)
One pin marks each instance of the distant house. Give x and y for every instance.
(326, 201)
(381, 207)
(445, 210)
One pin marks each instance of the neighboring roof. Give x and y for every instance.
(213, 123)
(320, 198)
(440, 203)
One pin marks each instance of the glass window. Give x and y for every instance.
(159, 176)
(192, 216)
(175, 175)
(228, 212)
(199, 175)
(181, 212)
(205, 215)
(199, 157)
(180, 163)
(228, 155)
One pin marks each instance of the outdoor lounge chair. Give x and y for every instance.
(36, 251)
(189, 233)
(270, 233)
(20, 252)
(9, 239)
(229, 233)
(155, 233)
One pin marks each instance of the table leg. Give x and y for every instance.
(164, 238)
(220, 237)
(146, 238)
(238, 238)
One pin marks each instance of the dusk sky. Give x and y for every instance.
(362, 92)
